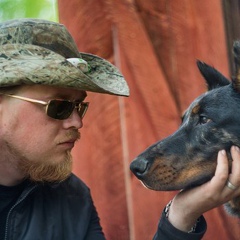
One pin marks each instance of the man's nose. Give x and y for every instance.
(74, 121)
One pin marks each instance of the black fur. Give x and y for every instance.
(188, 157)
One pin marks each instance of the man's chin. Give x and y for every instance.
(44, 172)
(53, 179)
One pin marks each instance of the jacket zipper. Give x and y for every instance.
(11, 209)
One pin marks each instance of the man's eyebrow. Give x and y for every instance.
(67, 97)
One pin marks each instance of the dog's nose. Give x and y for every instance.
(139, 166)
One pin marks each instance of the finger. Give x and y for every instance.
(221, 174)
(216, 185)
(234, 177)
(235, 152)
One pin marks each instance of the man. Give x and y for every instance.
(43, 85)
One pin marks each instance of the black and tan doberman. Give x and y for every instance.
(188, 157)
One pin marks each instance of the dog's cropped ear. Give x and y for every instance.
(214, 78)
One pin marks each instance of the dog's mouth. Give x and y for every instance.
(160, 176)
(173, 187)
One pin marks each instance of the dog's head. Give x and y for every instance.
(188, 157)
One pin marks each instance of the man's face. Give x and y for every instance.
(35, 143)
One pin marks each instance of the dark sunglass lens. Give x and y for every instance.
(60, 109)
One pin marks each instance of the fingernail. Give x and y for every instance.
(237, 148)
(223, 152)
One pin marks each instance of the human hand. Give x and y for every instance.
(189, 205)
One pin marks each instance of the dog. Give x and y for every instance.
(188, 157)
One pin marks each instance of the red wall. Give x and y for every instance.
(155, 44)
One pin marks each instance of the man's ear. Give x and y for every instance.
(213, 78)
(1, 106)
(1, 98)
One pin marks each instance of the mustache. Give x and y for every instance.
(71, 135)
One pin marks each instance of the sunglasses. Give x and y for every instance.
(57, 108)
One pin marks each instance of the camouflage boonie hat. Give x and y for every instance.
(34, 51)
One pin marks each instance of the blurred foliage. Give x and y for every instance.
(12, 9)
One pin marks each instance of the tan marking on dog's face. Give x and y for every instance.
(162, 172)
(194, 171)
(163, 176)
(196, 109)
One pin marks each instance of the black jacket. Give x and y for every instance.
(62, 211)
(65, 211)
(166, 231)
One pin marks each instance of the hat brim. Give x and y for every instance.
(30, 64)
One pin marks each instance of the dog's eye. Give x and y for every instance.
(203, 120)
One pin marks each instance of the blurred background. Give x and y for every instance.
(155, 44)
